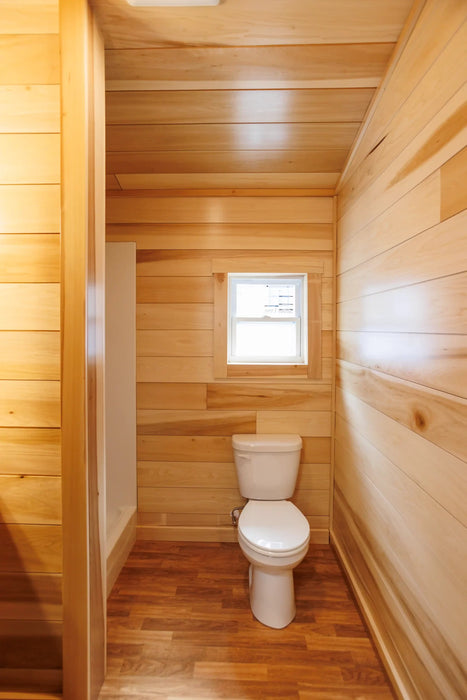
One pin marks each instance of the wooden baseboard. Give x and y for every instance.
(206, 534)
(120, 551)
(375, 627)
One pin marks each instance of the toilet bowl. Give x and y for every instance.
(272, 532)
(274, 537)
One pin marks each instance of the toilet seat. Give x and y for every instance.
(273, 528)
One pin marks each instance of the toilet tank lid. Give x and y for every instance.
(267, 443)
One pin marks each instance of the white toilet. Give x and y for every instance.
(273, 534)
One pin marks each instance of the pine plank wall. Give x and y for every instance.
(400, 469)
(30, 483)
(185, 417)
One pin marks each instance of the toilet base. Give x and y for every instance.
(272, 597)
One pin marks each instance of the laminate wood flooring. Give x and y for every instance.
(180, 626)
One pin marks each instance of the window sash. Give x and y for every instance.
(299, 282)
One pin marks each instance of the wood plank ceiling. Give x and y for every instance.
(249, 94)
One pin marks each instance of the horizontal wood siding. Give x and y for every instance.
(399, 517)
(30, 470)
(185, 419)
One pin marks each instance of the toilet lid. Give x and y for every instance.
(273, 526)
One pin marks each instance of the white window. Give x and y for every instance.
(267, 319)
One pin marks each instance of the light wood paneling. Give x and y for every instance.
(315, 477)
(182, 343)
(29, 258)
(393, 268)
(30, 597)
(30, 208)
(29, 159)
(418, 210)
(29, 108)
(439, 140)
(199, 261)
(418, 458)
(30, 307)
(312, 502)
(188, 474)
(238, 161)
(417, 55)
(218, 475)
(31, 499)
(219, 106)
(30, 450)
(306, 423)
(312, 65)
(270, 397)
(171, 396)
(29, 59)
(30, 467)
(408, 552)
(29, 355)
(183, 449)
(29, 404)
(227, 137)
(434, 360)
(174, 317)
(454, 172)
(174, 369)
(400, 488)
(215, 191)
(149, 210)
(29, 17)
(435, 306)
(255, 23)
(154, 181)
(193, 239)
(164, 422)
(438, 417)
(181, 500)
(35, 548)
(174, 290)
(433, 90)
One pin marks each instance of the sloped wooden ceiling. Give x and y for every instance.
(248, 94)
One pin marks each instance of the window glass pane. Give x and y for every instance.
(266, 339)
(266, 299)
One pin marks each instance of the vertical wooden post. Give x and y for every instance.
(84, 613)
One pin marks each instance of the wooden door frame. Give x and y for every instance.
(83, 586)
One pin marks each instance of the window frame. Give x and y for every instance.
(299, 281)
(243, 266)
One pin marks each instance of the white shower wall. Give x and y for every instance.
(120, 397)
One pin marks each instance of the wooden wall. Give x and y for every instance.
(30, 481)
(400, 470)
(185, 418)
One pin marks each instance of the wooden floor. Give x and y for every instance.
(180, 626)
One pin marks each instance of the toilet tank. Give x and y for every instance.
(267, 465)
